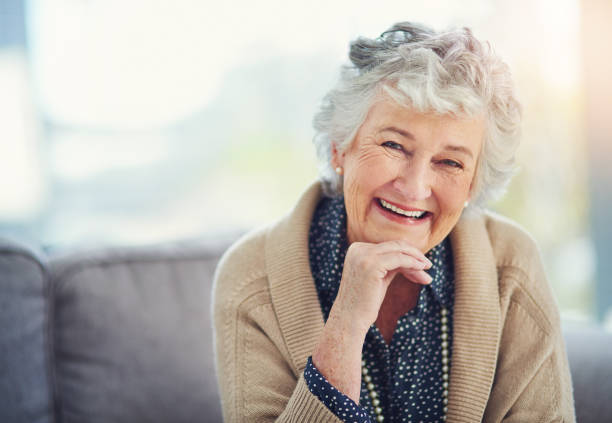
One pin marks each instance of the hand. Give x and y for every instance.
(368, 271)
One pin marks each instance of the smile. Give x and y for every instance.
(415, 214)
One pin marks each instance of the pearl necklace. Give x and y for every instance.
(444, 336)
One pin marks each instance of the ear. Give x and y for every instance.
(337, 159)
(474, 185)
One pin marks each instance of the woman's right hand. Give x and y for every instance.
(368, 272)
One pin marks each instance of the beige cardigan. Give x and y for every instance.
(508, 364)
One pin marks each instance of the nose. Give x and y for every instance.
(414, 179)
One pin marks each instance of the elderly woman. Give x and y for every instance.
(388, 293)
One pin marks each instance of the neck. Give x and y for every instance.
(401, 297)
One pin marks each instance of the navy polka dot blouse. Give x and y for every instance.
(407, 373)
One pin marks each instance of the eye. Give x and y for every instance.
(393, 145)
(452, 163)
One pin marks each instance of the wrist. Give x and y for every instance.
(350, 326)
(341, 340)
(337, 356)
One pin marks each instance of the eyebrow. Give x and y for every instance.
(399, 131)
(460, 149)
(450, 147)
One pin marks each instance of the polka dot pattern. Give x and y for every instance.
(342, 406)
(407, 372)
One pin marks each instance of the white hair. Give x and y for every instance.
(448, 72)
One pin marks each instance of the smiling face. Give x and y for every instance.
(407, 175)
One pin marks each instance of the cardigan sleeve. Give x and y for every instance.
(257, 380)
(532, 381)
(548, 396)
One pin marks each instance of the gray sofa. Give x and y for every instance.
(123, 335)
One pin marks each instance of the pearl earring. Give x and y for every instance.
(339, 170)
(467, 203)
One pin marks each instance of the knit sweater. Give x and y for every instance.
(508, 361)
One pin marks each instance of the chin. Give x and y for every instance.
(422, 244)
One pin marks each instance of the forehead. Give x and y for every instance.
(386, 115)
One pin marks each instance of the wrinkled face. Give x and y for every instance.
(407, 175)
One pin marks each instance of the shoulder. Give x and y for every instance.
(245, 259)
(523, 284)
(241, 272)
(249, 265)
(512, 245)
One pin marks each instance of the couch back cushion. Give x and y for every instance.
(25, 395)
(589, 351)
(132, 335)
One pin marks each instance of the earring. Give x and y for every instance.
(339, 170)
(467, 203)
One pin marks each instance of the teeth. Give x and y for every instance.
(397, 210)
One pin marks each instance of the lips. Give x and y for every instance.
(410, 214)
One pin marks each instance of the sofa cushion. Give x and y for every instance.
(133, 339)
(24, 379)
(589, 351)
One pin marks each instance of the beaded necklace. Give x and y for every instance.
(444, 336)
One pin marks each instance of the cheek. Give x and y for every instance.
(373, 167)
(352, 195)
(365, 171)
(452, 194)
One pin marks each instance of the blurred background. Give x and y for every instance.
(142, 121)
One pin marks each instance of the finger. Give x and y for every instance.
(411, 268)
(402, 246)
(407, 248)
(417, 276)
(399, 260)
(420, 277)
